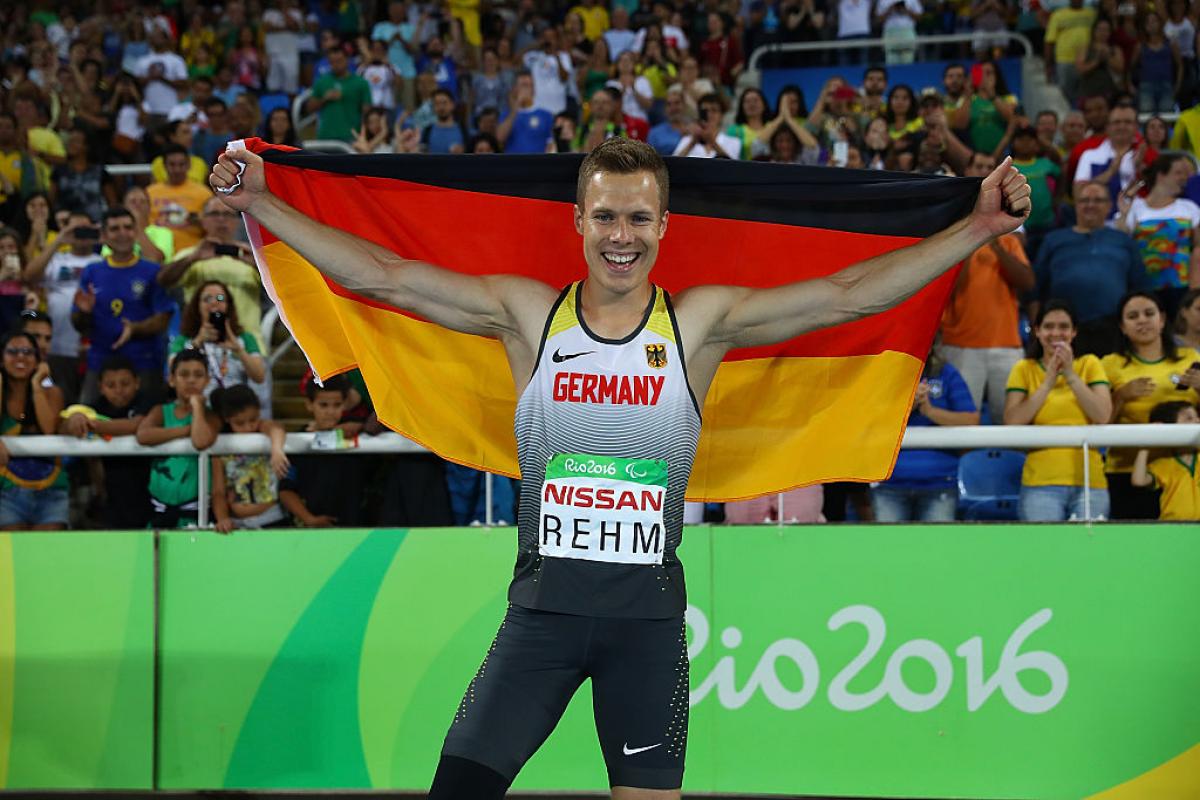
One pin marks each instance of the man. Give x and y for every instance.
(1072, 131)
(955, 87)
(154, 242)
(284, 27)
(551, 70)
(1091, 267)
(176, 203)
(604, 122)
(56, 271)
(619, 37)
(40, 140)
(121, 308)
(604, 615)
(442, 66)
(707, 138)
(525, 129)
(979, 329)
(595, 19)
(219, 257)
(666, 135)
(1068, 33)
(341, 97)
(1118, 159)
(208, 143)
(401, 39)
(871, 103)
(163, 74)
(445, 135)
(180, 132)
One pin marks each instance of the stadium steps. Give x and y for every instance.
(287, 405)
(1040, 94)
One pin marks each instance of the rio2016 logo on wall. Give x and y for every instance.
(980, 687)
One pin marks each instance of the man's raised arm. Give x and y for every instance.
(486, 305)
(744, 317)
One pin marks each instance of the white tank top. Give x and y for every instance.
(606, 435)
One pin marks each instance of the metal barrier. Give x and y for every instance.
(1013, 437)
(127, 169)
(859, 44)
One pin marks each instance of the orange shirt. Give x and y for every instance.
(179, 208)
(983, 308)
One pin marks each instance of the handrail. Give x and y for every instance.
(858, 44)
(1033, 437)
(127, 169)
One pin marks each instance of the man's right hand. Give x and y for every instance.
(86, 301)
(254, 179)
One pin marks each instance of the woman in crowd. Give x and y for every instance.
(721, 53)
(33, 491)
(375, 133)
(12, 290)
(81, 183)
(1101, 66)
(1149, 369)
(692, 85)
(904, 123)
(278, 128)
(877, 150)
(750, 124)
(37, 225)
(596, 70)
(246, 60)
(992, 106)
(1166, 227)
(1187, 321)
(637, 95)
(1158, 66)
(657, 68)
(924, 483)
(1157, 134)
(210, 325)
(490, 85)
(1054, 387)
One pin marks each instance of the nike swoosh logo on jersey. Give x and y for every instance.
(633, 751)
(558, 357)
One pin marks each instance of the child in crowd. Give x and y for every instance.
(174, 480)
(245, 488)
(33, 491)
(315, 489)
(124, 499)
(1175, 474)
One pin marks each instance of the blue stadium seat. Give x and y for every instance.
(269, 102)
(989, 484)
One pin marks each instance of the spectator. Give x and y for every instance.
(1091, 267)
(177, 202)
(1148, 369)
(596, 69)
(990, 110)
(441, 64)
(720, 54)
(924, 483)
(180, 132)
(12, 294)
(1156, 134)
(245, 490)
(551, 70)
(375, 133)
(594, 16)
(468, 498)
(125, 107)
(635, 95)
(313, 492)
(446, 134)
(39, 326)
(989, 21)
(955, 89)
(36, 225)
(483, 143)
(175, 480)
(1073, 130)
(56, 273)
(1159, 68)
(705, 139)
(1187, 322)
(400, 37)
(210, 325)
(604, 122)
(225, 88)
(278, 128)
(1180, 29)
(666, 135)
(619, 38)
(1045, 183)
(209, 142)
(980, 329)
(871, 98)
(750, 124)
(692, 85)
(525, 129)
(121, 308)
(341, 98)
(833, 120)
(33, 491)
(1186, 135)
(1173, 475)
(899, 21)
(381, 76)
(1068, 33)
(18, 173)
(1101, 65)
(163, 75)
(154, 242)
(877, 150)
(124, 491)
(853, 22)
(1045, 124)
(246, 62)
(1117, 160)
(41, 141)
(1055, 387)
(283, 26)
(1166, 227)
(491, 85)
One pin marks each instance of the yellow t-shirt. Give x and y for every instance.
(1164, 373)
(10, 167)
(197, 170)
(1059, 466)
(241, 279)
(1070, 31)
(1180, 484)
(179, 208)
(595, 20)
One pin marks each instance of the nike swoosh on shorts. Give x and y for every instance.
(633, 751)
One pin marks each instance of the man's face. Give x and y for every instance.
(710, 111)
(218, 221)
(1074, 128)
(675, 107)
(81, 247)
(1091, 206)
(620, 18)
(1122, 125)
(874, 84)
(397, 13)
(42, 333)
(621, 225)
(119, 234)
(435, 47)
(326, 409)
(177, 168)
(1095, 113)
(443, 107)
(201, 92)
(337, 61)
(1046, 126)
(954, 81)
(118, 386)
(218, 117)
(602, 106)
(980, 166)
(550, 40)
(488, 123)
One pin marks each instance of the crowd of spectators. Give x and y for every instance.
(1089, 314)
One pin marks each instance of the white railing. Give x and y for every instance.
(859, 44)
(1013, 437)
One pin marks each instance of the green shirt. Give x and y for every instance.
(987, 127)
(338, 117)
(175, 480)
(1038, 171)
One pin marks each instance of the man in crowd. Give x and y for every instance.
(1068, 34)
(526, 128)
(979, 329)
(604, 122)
(400, 36)
(284, 27)
(341, 97)
(551, 70)
(1091, 267)
(445, 135)
(210, 142)
(177, 202)
(619, 37)
(121, 308)
(666, 135)
(1117, 160)
(32, 131)
(707, 138)
(163, 74)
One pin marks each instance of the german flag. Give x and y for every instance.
(829, 405)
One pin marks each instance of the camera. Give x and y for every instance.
(227, 250)
(87, 232)
(217, 320)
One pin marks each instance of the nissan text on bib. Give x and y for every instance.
(599, 508)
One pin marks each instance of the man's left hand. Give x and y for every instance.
(1003, 202)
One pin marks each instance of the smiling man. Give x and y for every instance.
(611, 374)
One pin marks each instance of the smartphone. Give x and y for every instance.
(841, 153)
(217, 320)
(227, 250)
(87, 232)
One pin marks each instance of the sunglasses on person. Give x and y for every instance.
(213, 298)
(20, 351)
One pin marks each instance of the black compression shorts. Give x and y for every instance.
(639, 672)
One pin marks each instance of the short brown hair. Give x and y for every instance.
(624, 157)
